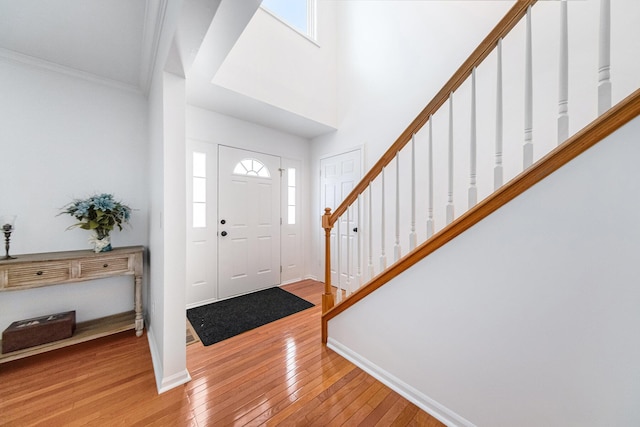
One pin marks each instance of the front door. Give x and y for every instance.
(248, 221)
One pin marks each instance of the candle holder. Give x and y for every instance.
(7, 224)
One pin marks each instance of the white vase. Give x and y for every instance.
(101, 243)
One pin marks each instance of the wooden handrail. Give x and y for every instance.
(483, 50)
(625, 111)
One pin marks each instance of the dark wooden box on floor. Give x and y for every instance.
(39, 330)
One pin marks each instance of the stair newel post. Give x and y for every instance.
(497, 170)
(430, 173)
(450, 212)
(473, 189)
(383, 256)
(397, 251)
(370, 221)
(327, 297)
(563, 98)
(412, 234)
(604, 58)
(527, 156)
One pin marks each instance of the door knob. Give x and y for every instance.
(355, 230)
(224, 233)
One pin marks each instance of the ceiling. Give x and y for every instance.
(115, 42)
(107, 40)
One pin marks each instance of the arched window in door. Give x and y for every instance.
(251, 167)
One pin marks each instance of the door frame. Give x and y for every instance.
(213, 205)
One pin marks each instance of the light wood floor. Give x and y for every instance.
(277, 374)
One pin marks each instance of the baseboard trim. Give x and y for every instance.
(164, 384)
(288, 282)
(424, 402)
(173, 381)
(155, 357)
(201, 303)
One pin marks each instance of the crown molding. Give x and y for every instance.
(155, 14)
(31, 61)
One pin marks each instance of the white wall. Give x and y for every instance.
(528, 318)
(63, 138)
(275, 64)
(167, 243)
(155, 302)
(209, 127)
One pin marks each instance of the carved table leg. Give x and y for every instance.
(138, 305)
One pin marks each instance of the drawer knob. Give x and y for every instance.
(39, 273)
(105, 265)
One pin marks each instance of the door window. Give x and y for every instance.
(251, 167)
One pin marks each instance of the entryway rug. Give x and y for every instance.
(220, 320)
(192, 337)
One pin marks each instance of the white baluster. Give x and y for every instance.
(528, 98)
(397, 252)
(563, 98)
(358, 232)
(383, 256)
(412, 234)
(604, 62)
(473, 189)
(370, 220)
(339, 261)
(450, 213)
(430, 171)
(497, 170)
(348, 243)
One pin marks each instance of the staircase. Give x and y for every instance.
(408, 204)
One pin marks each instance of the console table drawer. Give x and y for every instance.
(42, 273)
(93, 268)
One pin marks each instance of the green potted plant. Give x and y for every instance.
(99, 214)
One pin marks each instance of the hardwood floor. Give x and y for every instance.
(279, 374)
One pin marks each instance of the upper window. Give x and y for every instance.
(251, 167)
(299, 14)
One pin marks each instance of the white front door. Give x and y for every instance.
(248, 221)
(338, 175)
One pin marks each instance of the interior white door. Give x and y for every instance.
(248, 221)
(338, 175)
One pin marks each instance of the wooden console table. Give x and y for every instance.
(55, 268)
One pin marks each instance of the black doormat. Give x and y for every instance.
(224, 319)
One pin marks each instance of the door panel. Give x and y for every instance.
(249, 205)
